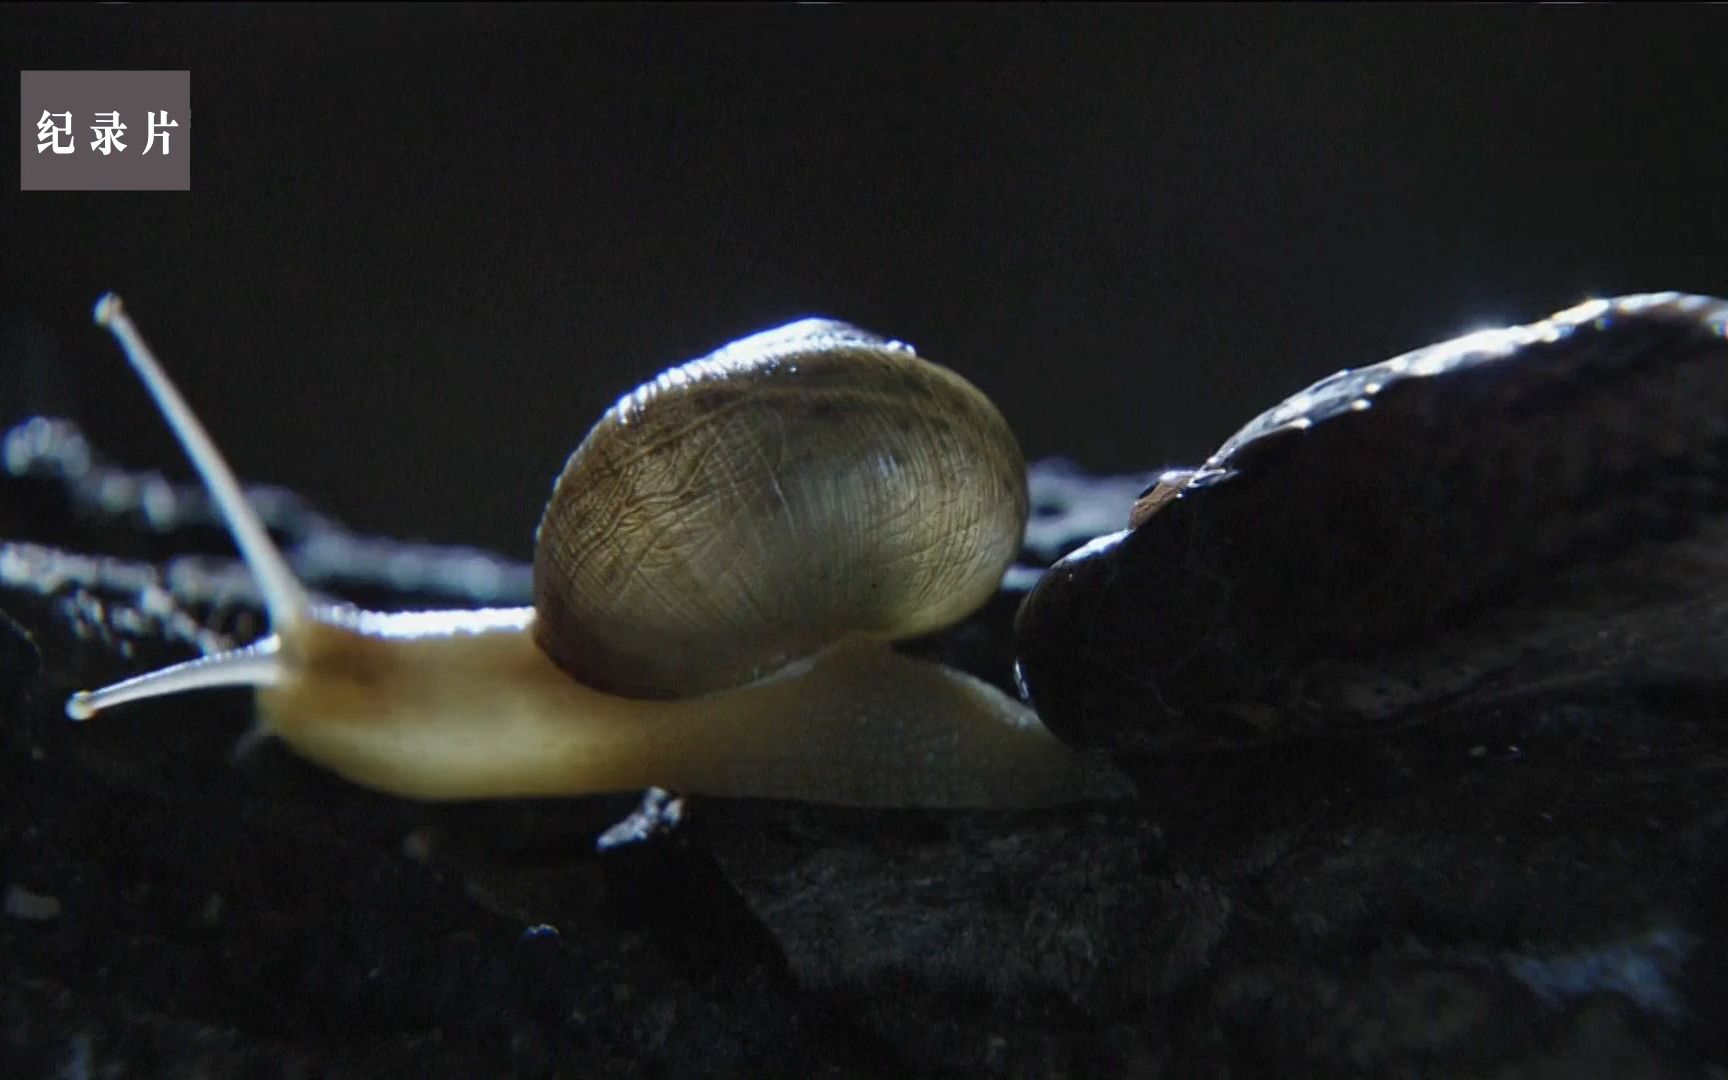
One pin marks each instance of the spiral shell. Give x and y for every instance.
(801, 486)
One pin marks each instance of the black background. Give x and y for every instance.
(425, 246)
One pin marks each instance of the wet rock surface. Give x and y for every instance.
(1534, 883)
(1478, 516)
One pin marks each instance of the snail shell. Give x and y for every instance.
(1378, 511)
(798, 487)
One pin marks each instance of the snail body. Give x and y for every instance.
(1438, 514)
(723, 563)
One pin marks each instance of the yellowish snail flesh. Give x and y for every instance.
(718, 576)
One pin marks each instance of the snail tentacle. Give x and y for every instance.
(285, 600)
(254, 665)
(284, 597)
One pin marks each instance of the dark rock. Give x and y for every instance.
(1530, 889)
(1397, 535)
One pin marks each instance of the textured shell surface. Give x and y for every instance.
(743, 510)
(1430, 512)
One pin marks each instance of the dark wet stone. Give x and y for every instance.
(1530, 889)
(1476, 515)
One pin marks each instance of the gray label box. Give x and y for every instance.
(105, 131)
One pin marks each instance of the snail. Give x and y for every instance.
(1396, 534)
(718, 576)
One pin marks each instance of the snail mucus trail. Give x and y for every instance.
(696, 676)
(1488, 508)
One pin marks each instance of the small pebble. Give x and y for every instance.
(21, 903)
